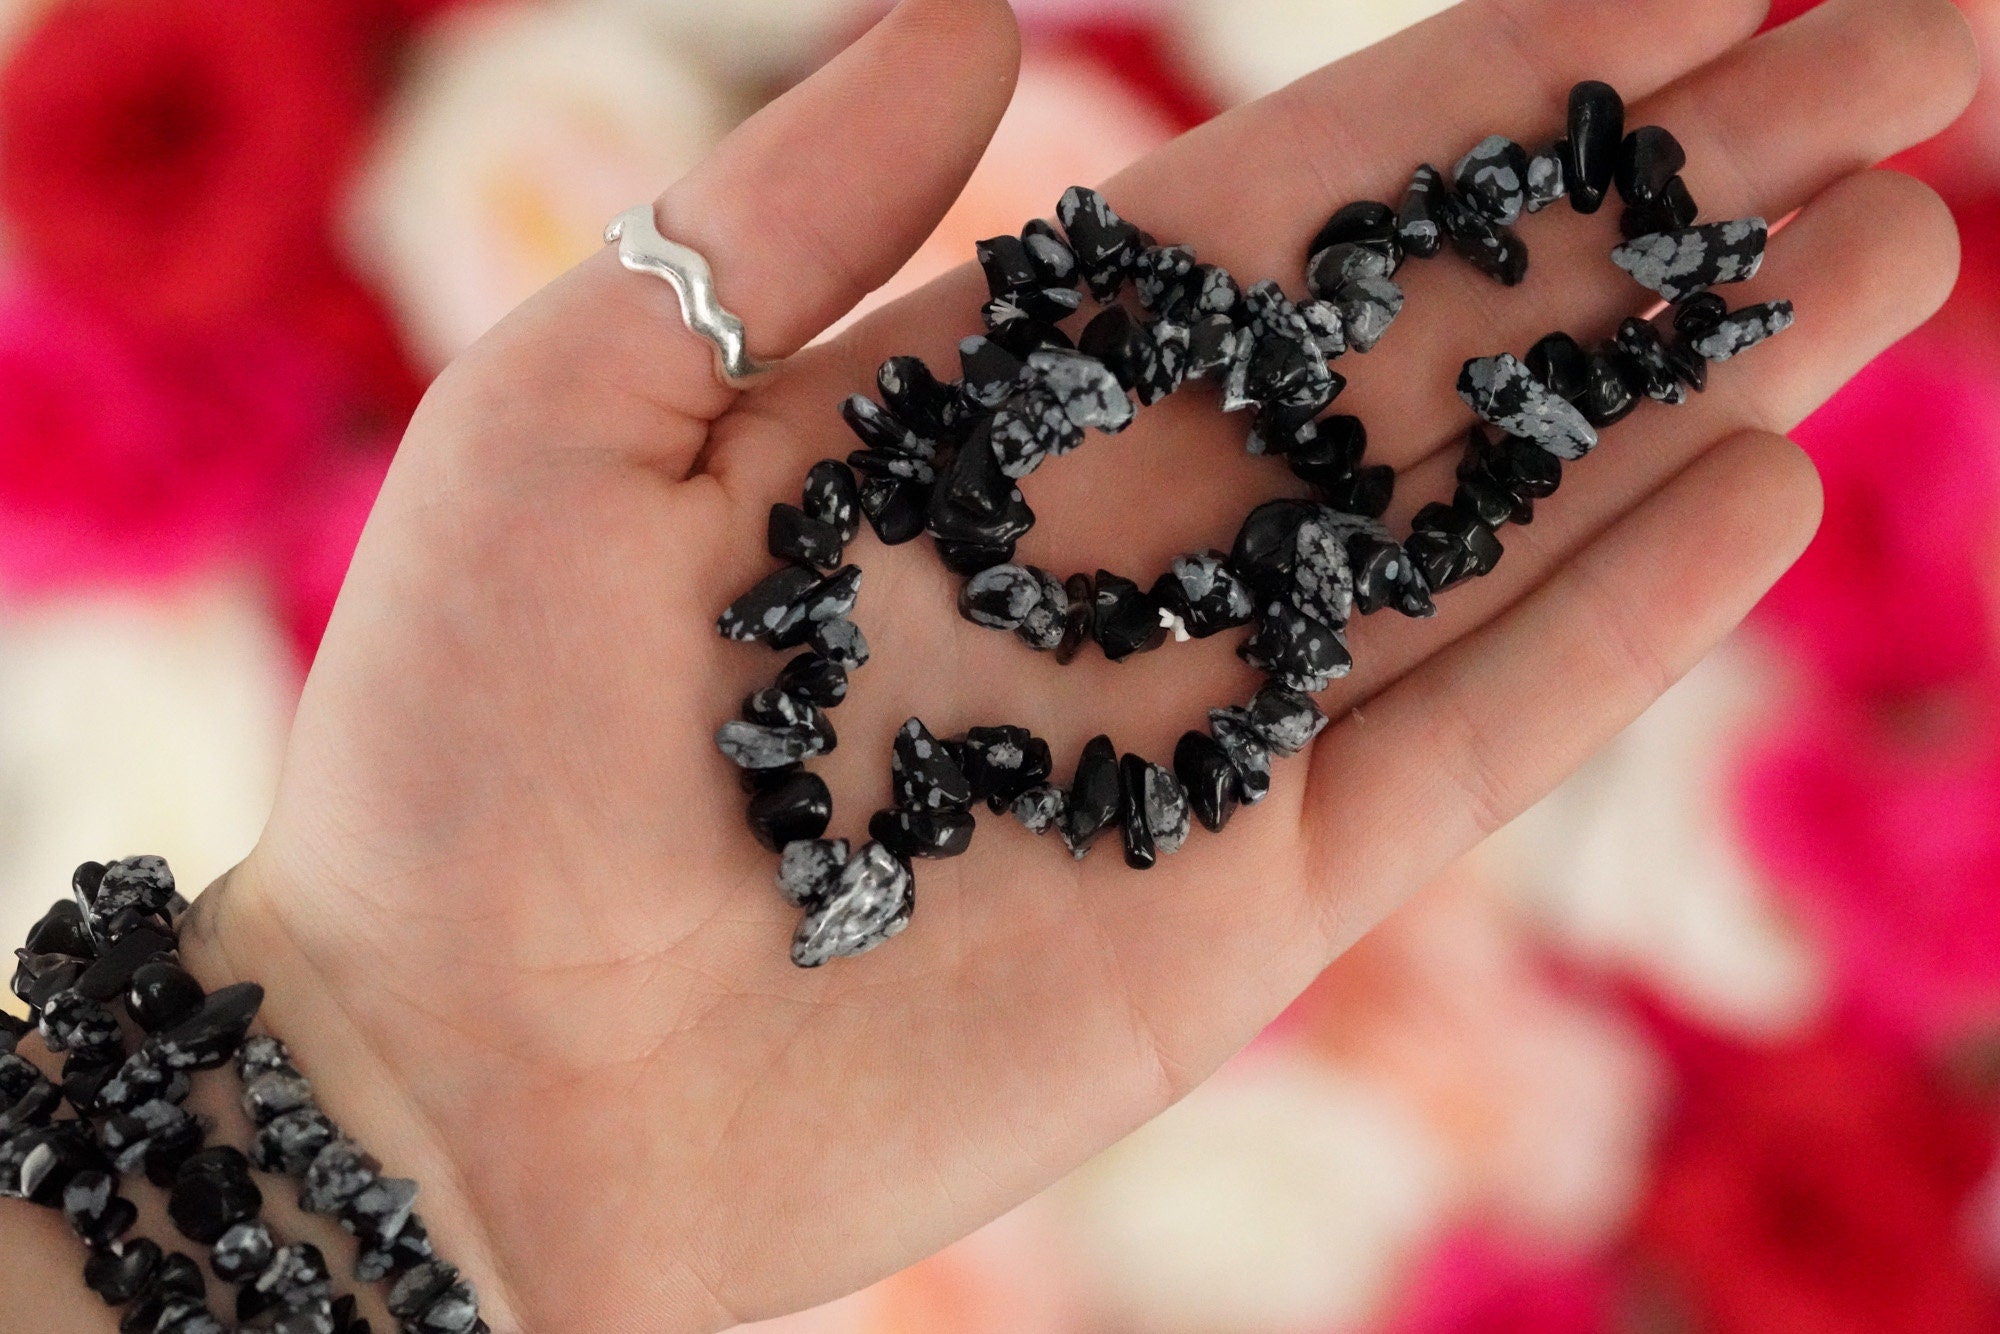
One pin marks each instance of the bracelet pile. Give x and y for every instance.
(114, 942)
(945, 458)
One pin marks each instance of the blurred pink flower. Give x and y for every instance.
(123, 461)
(1475, 1284)
(1876, 804)
(1882, 822)
(1893, 595)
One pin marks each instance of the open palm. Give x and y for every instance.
(507, 906)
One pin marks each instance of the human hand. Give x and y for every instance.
(507, 909)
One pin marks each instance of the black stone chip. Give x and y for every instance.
(1674, 210)
(990, 371)
(1126, 619)
(924, 404)
(1202, 591)
(211, 1035)
(62, 930)
(895, 507)
(1104, 243)
(1366, 493)
(1054, 261)
(798, 808)
(793, 535)
(1141, 853)
(1492, 249)
(1596, 136)
(1080, 621)
(923, 774)
(1647, 160)
(814, 679)
(1608, 396)
(1246, 751)
(1699, 314)
(929, 834)
(1365, 223)
(1286, 719)
(1094, 796)
(773, 607)
(1561, 364)
(1297, 648)
(1641, 344)
(1209, 778)
(1003, 762)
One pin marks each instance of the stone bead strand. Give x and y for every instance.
(116, 937)
(947, 458)
(340, 1180)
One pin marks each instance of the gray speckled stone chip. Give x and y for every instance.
(872, 903)
(809, 870)
(1493, 179)
(1741, 330)
(1506, 394)
(1679, 264)
(1085, 388)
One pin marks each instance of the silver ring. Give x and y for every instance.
(642, 249)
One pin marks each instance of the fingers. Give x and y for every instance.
(1766, 127)
(1355, 130)
(1865, 264)
(1251, 187)
(1866, 78)
(1481, 731)
(801, 211)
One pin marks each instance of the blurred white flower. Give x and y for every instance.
(1546, 1103)
(1280, 1196)
(148, 723)
(520, 132)
(1633, 863)
(754, 40)
(1247, 48)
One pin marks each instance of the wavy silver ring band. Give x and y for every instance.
(642, 249)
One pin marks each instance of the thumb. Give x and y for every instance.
(801, 211)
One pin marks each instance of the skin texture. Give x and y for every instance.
(507, 908)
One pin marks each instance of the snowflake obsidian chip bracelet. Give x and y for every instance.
(69, 1145)
(947, 457)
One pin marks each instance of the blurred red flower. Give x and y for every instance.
(172, 160)
(127, 460)
(1784, 11)
(312, 540)
(1820, 1188)
(348, 324)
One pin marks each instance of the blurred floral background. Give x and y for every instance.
(1710, 1041)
